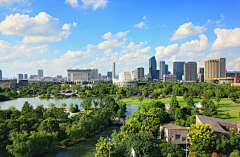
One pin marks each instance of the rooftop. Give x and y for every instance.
(172, 126)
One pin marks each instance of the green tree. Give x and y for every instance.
(128, 93)
(49, 125)
(173, 105)
(70, 105)
(119, 97)
(51, 105)
(63, 105)
(185, 96)
(218, 96)
(228, 116)
(145, 93)
(179, 113)
(190, 102)
(140, 98)
(203, 140)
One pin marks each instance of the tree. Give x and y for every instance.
(190, 101)
(179, 114)
(49, 125)
(203, 140)
(173, 105)
(95, 104)
(63, 105)
(218, 96)
(51, 105)
(119, 97)
(228, 116)
(70, 105)
(140, 98)
(185, 96)
(128, 93)
(210, 109)
(145, 93)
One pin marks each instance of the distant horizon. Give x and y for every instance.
(57, 35)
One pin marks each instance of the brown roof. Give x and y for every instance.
(218, 124)
(172, 126)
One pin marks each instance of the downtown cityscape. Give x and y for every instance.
(110, 78)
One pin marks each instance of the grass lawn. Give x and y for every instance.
(225, 105)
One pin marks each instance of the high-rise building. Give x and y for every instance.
(162, 69)
(113, 70)
(109, 75)
(25, 76)
(140, 73)
(0, 74)
(153, 68)
(99, 75)
(178, 69)
(166, 69)
(59, 77)
(40, 73)
(82, 74)
(19, 77)
(201, 74)
(215, 68)
(233, 74)
(190, 71)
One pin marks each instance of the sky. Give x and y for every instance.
(55, 35)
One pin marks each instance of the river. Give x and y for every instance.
(85, 148)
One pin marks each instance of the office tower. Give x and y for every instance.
(40, 73)
(178, 68)
(113, 70)
(162, 69)
(201, 74)
(109, 75)
(140, 73)
(201, 70)
(33, 76)
(0, 74)
(190, 71)
(153, 68)
(215, 68)
(82, 74)
(169, 78)
(19, 77)
(166, 69)
(99, 75)
(25, 76)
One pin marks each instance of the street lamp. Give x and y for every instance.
(186, 146)
(109, 146)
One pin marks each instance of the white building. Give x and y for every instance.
(82, 74)
(126, 79)
(169, 78)
(40, 73)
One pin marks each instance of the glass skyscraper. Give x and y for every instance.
(178, 69)
(153, 68)
(162, 69)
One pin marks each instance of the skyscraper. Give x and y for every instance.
(0, 74)
(178, 68)
(40, 73)
(201, 74)
(109, 75)
(25, 76)
(153, 68)
(166, 69)
(215, 68)
(201, 70)
(190, 71)
(113, 70)
(140, 73)
(162, 69)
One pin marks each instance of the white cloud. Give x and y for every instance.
(195, 45)
(132, 47)
(41, 28)
(79, 55)
(226, 39)
(56, 51)
(140, 25)
(213, 55)
(232, 54)
(111, 43)
(10, 2)
(162, 51)
(89, 46)
(118, 35)
(187, 29)
(95, 3)
(234, 64)
(9, 52)
(73, 3)
(218, 21)
(144, 17)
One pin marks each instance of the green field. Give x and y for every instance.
(225, 105)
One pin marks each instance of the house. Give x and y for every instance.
(173, 133)
(219, 126)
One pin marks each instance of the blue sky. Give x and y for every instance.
(55, 35)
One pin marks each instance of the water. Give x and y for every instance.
(85, 148)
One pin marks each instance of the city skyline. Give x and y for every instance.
(59, 35)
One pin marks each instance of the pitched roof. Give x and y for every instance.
(172, 126)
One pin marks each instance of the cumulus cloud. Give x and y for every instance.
(132, 47)
(41, 28)
(8, 52)
(226, 39)
(195, 45)
(213, 55)
(94, 3)
(187, 29)
(162, 51)
(218, 22)
(118, 35)
(234, 64)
